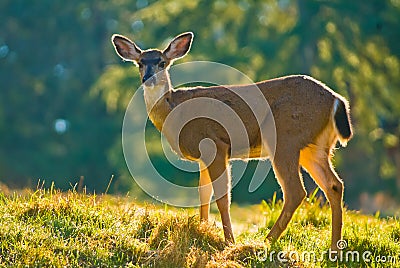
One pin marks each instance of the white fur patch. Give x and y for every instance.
(152, 94)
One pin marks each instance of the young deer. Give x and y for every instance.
(309, 119)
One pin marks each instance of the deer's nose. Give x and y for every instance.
(148, 74)
(146, 77)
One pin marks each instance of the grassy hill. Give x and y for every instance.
(50, 228)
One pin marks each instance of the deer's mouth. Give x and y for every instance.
(150, 81)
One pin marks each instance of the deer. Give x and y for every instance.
(310, 119)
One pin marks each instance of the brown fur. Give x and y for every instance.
(303, 110)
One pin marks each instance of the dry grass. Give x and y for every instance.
(50, 228)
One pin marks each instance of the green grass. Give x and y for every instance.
(50, 228)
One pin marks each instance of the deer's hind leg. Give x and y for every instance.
(287, 171)
(316, 161)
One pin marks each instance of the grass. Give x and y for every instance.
(51, 228)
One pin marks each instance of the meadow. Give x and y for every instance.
(54, 228)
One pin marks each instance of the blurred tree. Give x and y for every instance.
(348, 45)
(54, 127)
(51, 53)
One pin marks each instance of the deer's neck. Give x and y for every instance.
(157, 102)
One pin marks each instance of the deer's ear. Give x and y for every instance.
(179, 46)
(125, 48)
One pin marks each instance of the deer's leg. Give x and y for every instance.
(287, 171)
(205, 192)
(220, 175)
(318, 165)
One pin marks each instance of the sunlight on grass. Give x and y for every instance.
(50, 228)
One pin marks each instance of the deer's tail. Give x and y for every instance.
(341, 116)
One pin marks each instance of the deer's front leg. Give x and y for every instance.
(205, 192)
(220, 175)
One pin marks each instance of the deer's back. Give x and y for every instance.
(300, 105)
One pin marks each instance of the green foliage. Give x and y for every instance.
(51, 228)
(57, 62)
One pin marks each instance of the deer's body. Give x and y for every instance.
(289, 100)
(309, 118)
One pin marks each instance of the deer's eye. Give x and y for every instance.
(162, 64)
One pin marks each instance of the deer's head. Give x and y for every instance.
(153, 63)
